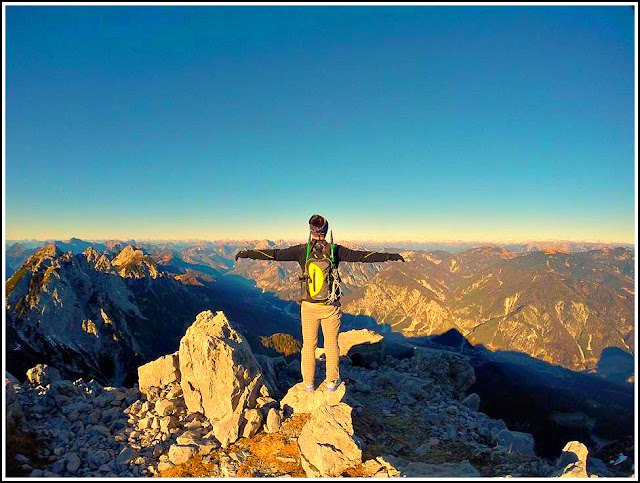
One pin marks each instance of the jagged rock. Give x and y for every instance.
(364, 347)
(361, 386)
(516, 442)
(371, 467)
(219, 373)
(10, 379)
(268, 371)
(165, 465)
(450, 432)
(58, 467)
(118, 395)
(351, 338)
(451, 369)
(163, 371)
(423, 449)
(164, 407)
(179, 454)
(145, 423)
(15, 414)
(252, 422)
(274, 421)
(397, 466)
(126, 455)
(572, 463)
(472, 401)
(494, 427)
(175, 392)
(42, 374)
(63, 388)
(299, 400)
(187, 438)
(327, 444)
(463, 375)
(384, 467)
(406, 399)
(265, 404)
(98, 458)
(205, 447)
(227, 429)
(597, 467)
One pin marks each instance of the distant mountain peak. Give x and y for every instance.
(48, 251)
(265, 244)
(133, 261)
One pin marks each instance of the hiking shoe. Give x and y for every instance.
(332, 386)
(310, 388)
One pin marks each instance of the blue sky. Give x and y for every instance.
(411, 122)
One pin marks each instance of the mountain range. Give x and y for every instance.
(559, 306)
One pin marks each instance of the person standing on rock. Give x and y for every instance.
(320, 287)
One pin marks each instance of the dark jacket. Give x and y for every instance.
(297, 253)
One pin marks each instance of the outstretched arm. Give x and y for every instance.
(347, 255)
(291, 254)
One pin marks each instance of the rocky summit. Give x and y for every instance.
(409, 417)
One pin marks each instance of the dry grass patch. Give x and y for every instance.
(194, 468)
(357, 472)
(264, 449)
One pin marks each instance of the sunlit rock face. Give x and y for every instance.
(559, 307)
(92, 314)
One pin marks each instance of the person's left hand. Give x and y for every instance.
(396, 257)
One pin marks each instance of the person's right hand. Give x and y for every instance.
(241, 254)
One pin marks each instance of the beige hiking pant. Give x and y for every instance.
(314, 315)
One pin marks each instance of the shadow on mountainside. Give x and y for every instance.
(168, 309)
(552, 403)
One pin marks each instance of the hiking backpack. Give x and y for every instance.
(320, 280)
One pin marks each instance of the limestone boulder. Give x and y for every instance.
(15, 414)
(219, 373)
(180, 454)
(362, 346)
(159, 373)
(42, 374)
(572, 463)
(516, 442)
(453, 371)
(73, 463)
(472, 401)
(395, 466)
(299, 400)
(274, 421)
(164, 407)
(227, 430)
(327, 444)
(252, 422)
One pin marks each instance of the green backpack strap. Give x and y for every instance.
(333, 260)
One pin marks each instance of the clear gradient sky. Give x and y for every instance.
(408, 122)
